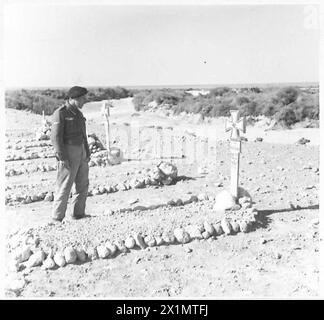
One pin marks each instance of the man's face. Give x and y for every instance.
(80, 101)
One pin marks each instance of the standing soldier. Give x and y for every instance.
(69, 139)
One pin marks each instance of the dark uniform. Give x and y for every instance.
(69, 138)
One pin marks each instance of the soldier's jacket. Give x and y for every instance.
(68, 128)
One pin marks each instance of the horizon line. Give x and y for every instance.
(197, 86)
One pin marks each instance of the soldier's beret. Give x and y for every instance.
(76, 92)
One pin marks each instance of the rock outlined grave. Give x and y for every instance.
(29, 251)
(165, 173)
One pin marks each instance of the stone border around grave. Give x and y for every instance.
(163, 174)
(30, 255)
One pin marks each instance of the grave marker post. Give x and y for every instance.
(236, 126)
(105, 111)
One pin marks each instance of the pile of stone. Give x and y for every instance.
(95, 144)
(164, 173)
(29, 251)
(44, 131)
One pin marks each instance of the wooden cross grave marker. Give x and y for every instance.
(236, 126)
(105, 111)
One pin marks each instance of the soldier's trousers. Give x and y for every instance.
(78, 173)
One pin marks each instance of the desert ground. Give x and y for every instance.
(278, 258)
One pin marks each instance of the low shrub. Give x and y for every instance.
(48, 100)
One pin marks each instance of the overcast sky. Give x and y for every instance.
(158, 45)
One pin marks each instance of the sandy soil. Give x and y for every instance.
(280, 258)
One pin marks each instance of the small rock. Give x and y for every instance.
(171, 203)
(263, 241)
(244, 200)
(121, 246)
(22, 254)
(34, 198)
(140, 241)
(81, 255)
(235, 226)
(194, 232)
(179, 202)
(130, 243)
(48, 263)
(246, 205)
(150, 241)
(193, 198)
(49, 197)
(209, 228)
(112, 248)
(206, 235)
(92, 253)
(70, 255)
(188, 250)
(218, 229)
(103, 252)
(236, 207)
(278, 255)
(218, 184)
(302, 141)
(102, 190)
(168, 237)
(292, 206)
(36, 259)
(181, 235)
(226, 226)
(159, 241)
(244, 226)
(59, 259)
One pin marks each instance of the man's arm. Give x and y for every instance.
(57, 136)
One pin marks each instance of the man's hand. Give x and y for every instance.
(65, 163)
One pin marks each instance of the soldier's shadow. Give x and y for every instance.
(264, 218)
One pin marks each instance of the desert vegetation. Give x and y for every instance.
(287, 105)
(47, 100)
